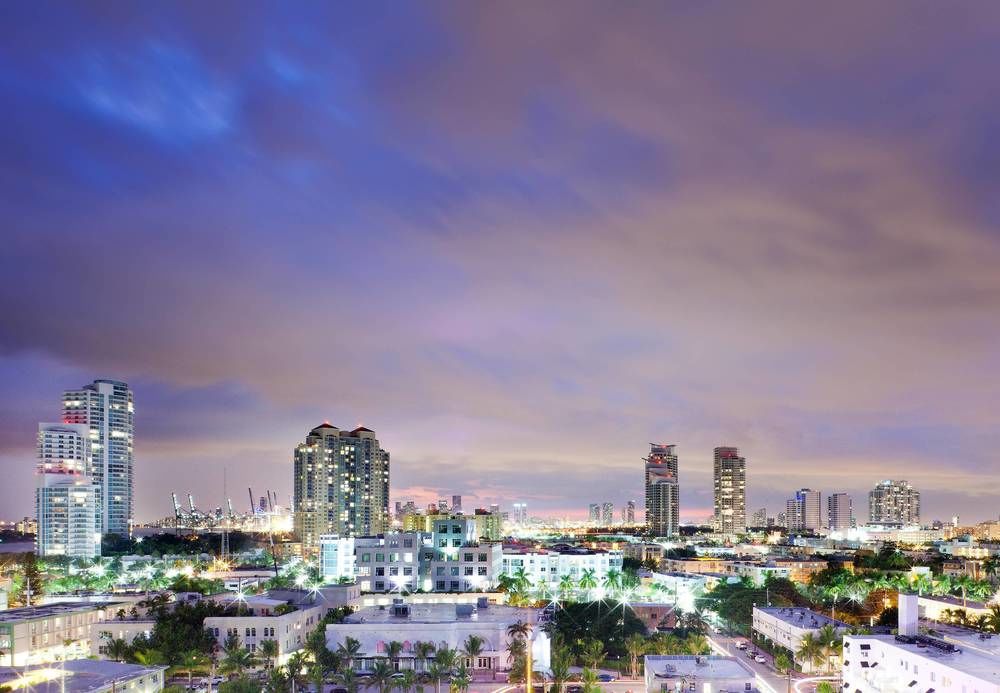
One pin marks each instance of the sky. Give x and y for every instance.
(520, 241)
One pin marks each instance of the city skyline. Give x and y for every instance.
(760, 226)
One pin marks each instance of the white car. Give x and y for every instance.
(741, 646)
(760, 659)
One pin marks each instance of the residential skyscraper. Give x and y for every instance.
(730, 477)
(628, 513)
(65, 495)
(894, 503)
(341, 485)
(840, 512)
(594, 512)
(106, 407)
(662, 490)
(520, 513)
(759, 518)
(607, 514)
(804, 511)
(456, 504)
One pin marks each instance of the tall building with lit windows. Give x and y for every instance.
(894, 503)
(341, 485)
(730, 481)
(662, 491)
(106, 408)
(840, 512)
(65, 495)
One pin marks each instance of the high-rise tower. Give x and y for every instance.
(66, 495)
(106, 408)
(662, 490)
(730, 477)
(804, 511)
(894, 503)
(341, 485)
(840, 512)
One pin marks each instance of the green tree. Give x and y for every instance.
(635, 647)
(268, 652)
(349, 680)
(349, 650)
(559, 663)
(191, 662)
(406, 680)
(235, 657)
(811, 650)
(460, 679)
(472, 649)
(422, 652)
(825, 687)
(588, 581)
(782, 662)
(381, 675)
(593, 653)
(240, 684)
(590, 682)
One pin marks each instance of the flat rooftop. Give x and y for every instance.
(30, 613)
(74, 676)
(705, 667)
(803, 618)
(979, 663)
(444, 613)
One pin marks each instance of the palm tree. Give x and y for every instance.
(995, 618)
(588, 581)
(295, 665)
(148, 658)
(349, 680)
(461, 679)
(381, 675)
(422, 651)
(612, 581)
(559, 663)
(696, 644)
(811, 650)
(567, 585)
(635, 647)
(472, 649)
(268, 652)
(438, 672)
(406, 680)
(118, 650)
(592, 653)
(393, 649)
(832, 642)
(349, 650)
(192, 661)
(589, 680)
(277, 681)
(922, 583)
(235, 657)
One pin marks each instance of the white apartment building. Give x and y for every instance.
(106, 408)
(548, 566)
(444, 625)
(785, 626)
(336, 558)
(66, 496)
(286, 616)
(388, 562)
(41, 634)
(706, 674)
(103, 632)
(84, 676)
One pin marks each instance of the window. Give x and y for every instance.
(468, 557)
(454, 585)
(379, 557)
(454, 570)
(482, 557)
(407, 571)
(380, 571)
(366, 558)
(440, 585)
(481, 570)
(468, 570)
(393, 570)
(379, 586)
(456, 529)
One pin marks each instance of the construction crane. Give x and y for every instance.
(253, 511)
(177, 513)
(191, 502)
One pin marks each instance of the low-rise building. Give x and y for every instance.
(654, 615)
(940, 608)
(285, 616)
(42, 634)
(701, 565)
(785, 626)
(103, 632)
(891, 664)
(443, 625)
(643, 551)
(705, 674)
(84, 676)
(543, 566)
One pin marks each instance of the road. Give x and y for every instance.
(768, 680)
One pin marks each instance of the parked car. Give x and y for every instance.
(339, 690)
(574, 688)
(760, 659)
(741, 646)
(605, 678)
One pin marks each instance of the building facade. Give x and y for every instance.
(840, 512)
(607, 514)
(786, 626)
(40, 634)
(106, 407)
(341, 485)
(444, 625)
(66, 496)
(803, 512)
(545, 568)
(628, 513)
(894, 502)
(662, 491)
(730, 484)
